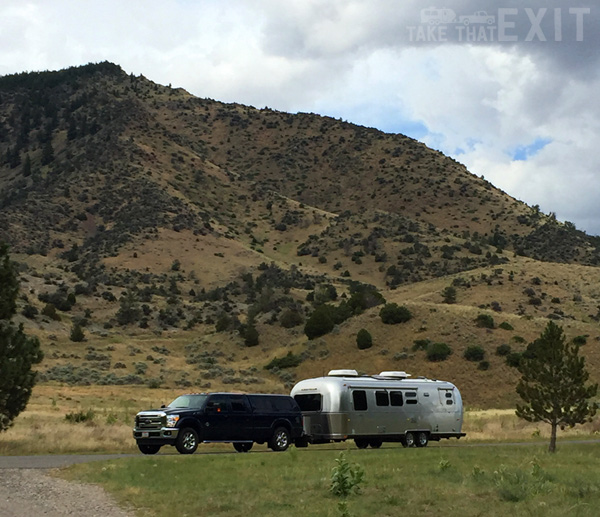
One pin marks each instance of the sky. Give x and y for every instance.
(508, 88)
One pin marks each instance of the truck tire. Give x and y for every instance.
(422, 439)
(242, 446)
(409, 439)
(148, 449)
(280, 440)
(187, 441)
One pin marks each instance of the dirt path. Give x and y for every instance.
(27, 489)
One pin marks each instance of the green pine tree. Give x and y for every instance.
(18, 352)
(553, 383)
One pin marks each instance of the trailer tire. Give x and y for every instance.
(375, 444)
(422, 439)
(409, 440)
(187, 441)
(361, 443)
(242, 446)
(148, 449)
(280, 440)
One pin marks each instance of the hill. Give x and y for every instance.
(169, 227)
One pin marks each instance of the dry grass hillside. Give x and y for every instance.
(192, 240)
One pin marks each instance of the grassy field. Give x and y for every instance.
(449, 481)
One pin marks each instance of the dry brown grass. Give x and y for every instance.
(43, 429)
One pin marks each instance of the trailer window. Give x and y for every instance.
(396, 398)
(360, 400)
(410, 397)
(310, 402)
(381, 398)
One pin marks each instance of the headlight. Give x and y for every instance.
(172, 420)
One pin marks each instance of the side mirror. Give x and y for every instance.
(163, 406)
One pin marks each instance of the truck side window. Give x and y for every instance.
(396, 398)
(381, 398)
(238, 405)
(359, 398)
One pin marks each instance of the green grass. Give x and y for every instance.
(449, 481)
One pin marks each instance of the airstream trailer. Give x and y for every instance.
(372, 409)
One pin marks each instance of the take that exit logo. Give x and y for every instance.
(504, 25)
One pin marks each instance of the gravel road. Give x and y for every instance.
(27, 489)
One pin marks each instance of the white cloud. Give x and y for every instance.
(352, 59)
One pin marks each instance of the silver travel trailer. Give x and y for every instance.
(389, 407)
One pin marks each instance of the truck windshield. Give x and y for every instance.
(189, 401)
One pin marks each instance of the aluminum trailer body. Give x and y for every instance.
(389, 407)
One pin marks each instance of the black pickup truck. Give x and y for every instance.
(220, 417)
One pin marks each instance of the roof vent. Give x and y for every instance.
(343, 373)
(395, 375)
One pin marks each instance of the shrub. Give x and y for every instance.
(513, 359)
(250, 335)
(288, 361)
(364, 339)
(29, 311)
(485, 321)
(319, 323)
(483, 365)
(421, 344)
(436, 352)
(518, 339)
(505, 325)
(580, 340)
(290, 318)
(49, 310)
(392, 313)
(77, 335)
(449, 294)
(80, 416)
(223, 323)
(503, 350)
(474, 353)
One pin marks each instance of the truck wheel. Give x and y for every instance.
(148, 449)
(422, 439)
(280, 440)
(409, 439)
(361, 443)
(187, 441)
(242, 446)
(375, 444)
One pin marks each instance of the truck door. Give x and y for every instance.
(241, 418)
(218, 423)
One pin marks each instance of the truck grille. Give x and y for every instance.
(155, 421)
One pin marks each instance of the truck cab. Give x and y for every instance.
(240, 419)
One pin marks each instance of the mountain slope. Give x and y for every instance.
(118, 194)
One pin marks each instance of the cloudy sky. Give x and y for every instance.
(511, 93)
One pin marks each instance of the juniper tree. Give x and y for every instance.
(18, 352)
(553, 383)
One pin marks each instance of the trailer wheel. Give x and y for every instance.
(242, 446)
(422, 439)
(187, 441)
(409, 440)
(361, 443)
(375, 444)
